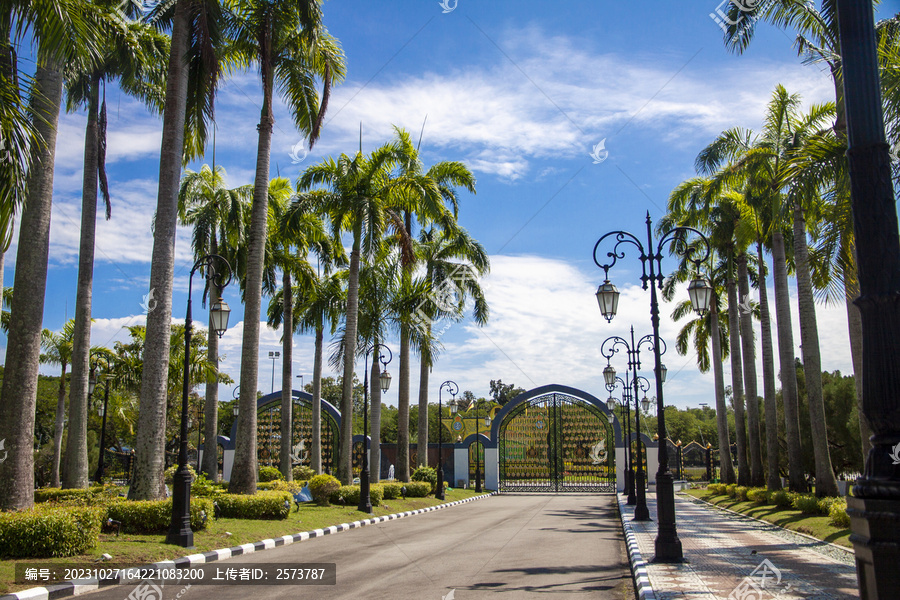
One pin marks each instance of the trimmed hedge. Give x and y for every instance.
(262, 505)
(269, 474)
(322, 486)
(391, 490)
(154, 516)
(740, 493)
(716, 488)
(84, 496)
(350, 495)
(730, 489)
(838, 513)
(302, 472)
(169, 474)
(49, 531)
(425, 474)
(807, 504)
(757, 494)
(280, 485)
(782, 498)
(418, 489)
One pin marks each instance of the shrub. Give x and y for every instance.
(757, 495)
(716, 488)
(740, 493)
(302, 472)
(47, 531)
(153, 516)
(350, 495)
(838, 513)
(280, 485)
(376, 494)
(262, 505)
(322, 486)
(806, 503)
(782, 498)
(391, 490)
(730, 488)
(204, 488)
(169, 474)
(425, 474)
(77, 496)
(269, 474)
(418, 489)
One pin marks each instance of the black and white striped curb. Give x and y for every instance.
(638, 566)
(72, 588)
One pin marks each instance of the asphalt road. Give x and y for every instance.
(522, 546)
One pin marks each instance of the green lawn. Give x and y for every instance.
(224, 533)
(817, 526)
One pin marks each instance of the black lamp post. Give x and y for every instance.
(874, 507)
(629, 455)
(273, 356)
(180, 532)
(668, 546)
(487, 423)
(453, 389)
(365, 501)
(199, 433)
(92, 383)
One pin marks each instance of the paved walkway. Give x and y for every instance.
(734, 557)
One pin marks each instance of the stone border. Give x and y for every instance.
(638, 565)
(72, 588)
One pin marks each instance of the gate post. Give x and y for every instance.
(491, 468)
(460, 464)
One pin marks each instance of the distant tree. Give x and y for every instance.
(502, 393)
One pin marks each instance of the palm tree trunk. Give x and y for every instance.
(826, 485)
(76, 470)
(315, 460)
(403, 408)
(748, 352)
(375, 424)
(149, 455)
(737, 380)
(796, 480)
(287, 431)
(424, 370)
(854, 325)
(58, 431)
(345, 464)
(23, 349)
(726, 469)
(244, 473)
(773, 479)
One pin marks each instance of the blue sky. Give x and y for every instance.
(521, 92)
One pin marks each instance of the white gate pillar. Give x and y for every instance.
(492, 468)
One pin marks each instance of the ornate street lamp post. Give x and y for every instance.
(874, 507)
(487, 423)
(92, 383)
(180, 532)
(629, 455)
(668, 546)
(384, 380)
(453, 389)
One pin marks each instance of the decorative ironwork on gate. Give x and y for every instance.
(268, 435)
(556, 443)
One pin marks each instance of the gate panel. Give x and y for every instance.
(556, 443)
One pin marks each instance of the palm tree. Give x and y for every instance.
(191, 80)
(364, 199)
(131, 54)
(290, 44)
(62, 33)
(451, 258)
(217, 215)
(58, 351)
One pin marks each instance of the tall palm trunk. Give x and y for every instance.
(726, 469)
(76, 469)
(287, 431)
(345, 464)
(748, 351)
(737, 379)
(315, 460)
(149, 456)
(403, 408)
(23, 349)
(796, 480)
(58, 430)
(244, 473)
(424, 371)
(210, 464)
(773, 480)
(854, 325)
(375, 424)
(826, 485)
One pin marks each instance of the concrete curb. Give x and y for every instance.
(848, 551)
(75, 588)
(638, 565)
